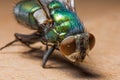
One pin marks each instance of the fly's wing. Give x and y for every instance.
(47, 1)
(70, 4)
(44, 3)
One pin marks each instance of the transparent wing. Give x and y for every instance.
(44, 3)
(70, 4)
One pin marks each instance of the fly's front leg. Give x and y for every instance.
(47, 55)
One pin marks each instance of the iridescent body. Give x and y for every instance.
(56, 22)
(66, 22)
(24, 13)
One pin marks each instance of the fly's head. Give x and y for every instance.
(75, 48)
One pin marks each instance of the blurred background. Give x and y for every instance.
(100, 17)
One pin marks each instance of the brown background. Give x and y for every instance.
(100, 17)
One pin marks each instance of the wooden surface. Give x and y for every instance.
(100, 17)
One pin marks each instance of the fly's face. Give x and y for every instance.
(75, 48)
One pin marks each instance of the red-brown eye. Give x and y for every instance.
(91, 40)
(68, 45)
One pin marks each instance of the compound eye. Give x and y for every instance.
(91, 40)
(68, 45)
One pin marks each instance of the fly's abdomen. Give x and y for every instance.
(29, 12)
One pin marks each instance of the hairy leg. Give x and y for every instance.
(25, 39)
(47, 55)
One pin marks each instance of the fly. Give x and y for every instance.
(56, 25)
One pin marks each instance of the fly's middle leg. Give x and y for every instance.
(27, 40)
(47, 55)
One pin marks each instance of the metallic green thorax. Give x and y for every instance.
(66, 22)
(24, 13)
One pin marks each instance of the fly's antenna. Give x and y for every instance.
(10, 43)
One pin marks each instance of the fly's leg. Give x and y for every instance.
(27, 39)
(46, 46)
(10, 43)
(47, 55)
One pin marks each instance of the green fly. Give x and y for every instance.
(56, 25)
